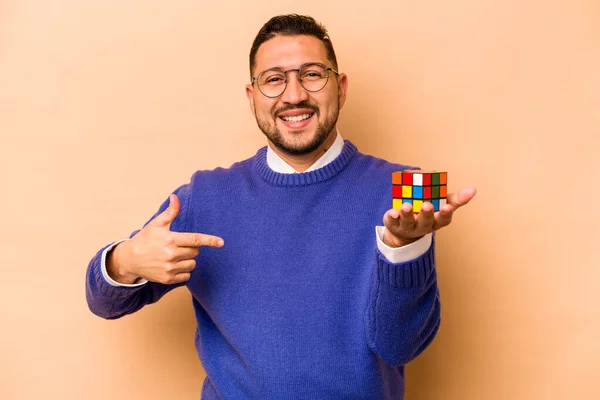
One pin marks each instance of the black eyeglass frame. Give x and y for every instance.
(255, 78)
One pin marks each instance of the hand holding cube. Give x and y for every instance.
(409, 221)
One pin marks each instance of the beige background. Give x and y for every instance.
(107, 106)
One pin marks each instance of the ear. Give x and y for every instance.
(342, 89)
(250, 96)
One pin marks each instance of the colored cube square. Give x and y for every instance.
(442, 203)
(396, 191)
(436, 204)
(396, 203)
(443, 178)
(427, 179)
(417, 179)
(397, 178)
(427, 192)
(407, 178)
(443, 191)
(435, 192)
(417, 192)
(417, 205)
(407, 192)
(435, 178)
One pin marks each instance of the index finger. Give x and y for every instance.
(190, 239)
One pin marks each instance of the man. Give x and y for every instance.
(300, 294)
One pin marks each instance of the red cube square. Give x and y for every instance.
(426, 179)
(427, 192)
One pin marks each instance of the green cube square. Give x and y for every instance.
(435, 178)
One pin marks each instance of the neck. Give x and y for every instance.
(301, 163)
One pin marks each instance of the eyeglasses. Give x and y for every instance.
(312, 76)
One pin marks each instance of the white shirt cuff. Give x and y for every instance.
(107, 278)
(404, 253)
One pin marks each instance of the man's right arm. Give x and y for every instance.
(157, 258)
(111, 301)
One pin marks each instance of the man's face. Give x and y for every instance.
(298, 122)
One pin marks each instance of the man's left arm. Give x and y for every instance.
(403, 314)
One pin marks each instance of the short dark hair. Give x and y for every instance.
(291, 25)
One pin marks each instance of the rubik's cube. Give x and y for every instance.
(416, 186)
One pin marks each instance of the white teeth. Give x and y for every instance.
(297, 118)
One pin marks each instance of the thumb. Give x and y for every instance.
(165, 218)
(462, 197)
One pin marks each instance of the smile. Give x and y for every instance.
(296, 118)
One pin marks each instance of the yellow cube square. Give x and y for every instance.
(417, 205)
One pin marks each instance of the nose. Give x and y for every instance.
(294, 93)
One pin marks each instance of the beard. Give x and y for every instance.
(297, 147)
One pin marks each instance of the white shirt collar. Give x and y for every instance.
(277, 164)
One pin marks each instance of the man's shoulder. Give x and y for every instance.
(371, 163)
(237, 169)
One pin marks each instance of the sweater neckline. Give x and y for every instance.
(305, 178)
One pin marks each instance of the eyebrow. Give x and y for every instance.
(279, 68)
(274, 69)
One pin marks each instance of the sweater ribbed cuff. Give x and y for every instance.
(407, 274)
(105, 288)
(117, 291)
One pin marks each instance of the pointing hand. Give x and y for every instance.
(156, 253)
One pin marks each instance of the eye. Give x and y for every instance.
(272, 79)
(313, 73)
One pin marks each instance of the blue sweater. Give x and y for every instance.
(299, 303)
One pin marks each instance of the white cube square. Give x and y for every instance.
(417, 179)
